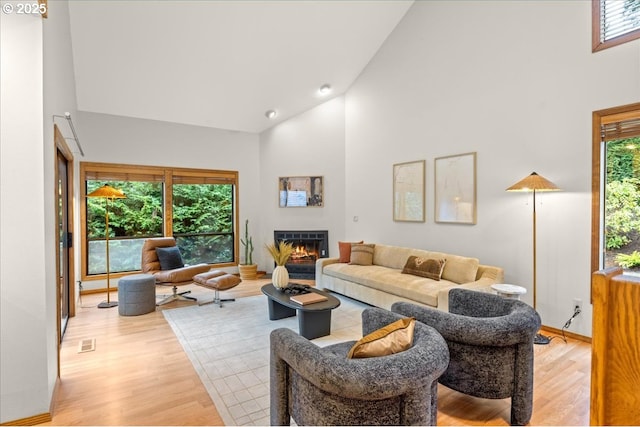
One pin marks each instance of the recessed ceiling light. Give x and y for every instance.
(270, 114)
(324, 89)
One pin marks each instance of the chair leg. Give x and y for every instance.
(177, 296)
(217, 300)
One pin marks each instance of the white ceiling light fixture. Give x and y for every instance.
(325, 89)
(271, 114)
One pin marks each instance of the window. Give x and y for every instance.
(614, 22)
(615, 237)
(203, 222)
(197, 207)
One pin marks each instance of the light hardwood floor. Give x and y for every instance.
(139, 375)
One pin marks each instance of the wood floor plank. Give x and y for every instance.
(139, 375)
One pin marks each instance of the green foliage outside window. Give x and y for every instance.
(622, 197)
(202, 223)
(622, 211)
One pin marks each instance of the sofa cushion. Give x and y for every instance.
(170, 258)
(460, 269)
(362, 254)
(345, 250)
(391, 256)
(389, 280)
(393, 338)
(424, 267)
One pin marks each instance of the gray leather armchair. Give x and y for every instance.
(320, 386)
(490, 341)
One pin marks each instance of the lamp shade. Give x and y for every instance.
(107, 191)
(533, 182)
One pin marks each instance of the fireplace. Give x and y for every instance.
(308, 247)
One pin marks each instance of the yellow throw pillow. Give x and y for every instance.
(393, 338)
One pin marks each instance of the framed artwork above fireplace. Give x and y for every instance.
(301, 191)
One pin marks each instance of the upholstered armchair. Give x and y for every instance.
(490, 341)
(180, 274)
(321, 386)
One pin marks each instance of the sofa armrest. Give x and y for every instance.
(490, 272)
(321, 263)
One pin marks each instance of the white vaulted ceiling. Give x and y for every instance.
(222, 64)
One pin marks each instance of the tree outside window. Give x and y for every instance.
(203, 222)
(622, 204)
(131, 221)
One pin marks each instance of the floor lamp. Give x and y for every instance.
(107, 192)
(535, 183)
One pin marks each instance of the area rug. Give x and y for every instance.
(229, 349)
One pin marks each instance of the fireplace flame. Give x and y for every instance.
(301, 252)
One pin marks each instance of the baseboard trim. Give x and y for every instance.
(97, 291)
(30, 421)
(568, 334)
(37, 419)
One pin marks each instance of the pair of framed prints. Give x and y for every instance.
(454, 190)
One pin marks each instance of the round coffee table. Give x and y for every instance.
(314, 320)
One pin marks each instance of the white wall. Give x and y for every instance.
(310, 144)
(59, 97)
(515, 82)
(114, 139)
(25, 310)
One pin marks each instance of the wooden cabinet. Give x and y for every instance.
(615, 360)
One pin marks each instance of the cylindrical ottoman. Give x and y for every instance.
(136, 294)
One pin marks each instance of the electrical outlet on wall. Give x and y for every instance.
(577, 302)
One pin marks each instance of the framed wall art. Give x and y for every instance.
(408, 191)
(455, 188)
(301, 191)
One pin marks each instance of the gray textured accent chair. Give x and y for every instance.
(320, 386)
(490, 341)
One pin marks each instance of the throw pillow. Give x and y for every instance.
(362, 254)
(393, 338)
(424, 267)
(170, 258)
(345, 250)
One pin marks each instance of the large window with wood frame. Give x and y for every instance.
(614, 22)
(197, 207)
(615, 237)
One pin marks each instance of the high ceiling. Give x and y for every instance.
(222, 64)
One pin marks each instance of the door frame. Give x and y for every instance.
(62, 147)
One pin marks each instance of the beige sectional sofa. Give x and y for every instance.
(383, 283)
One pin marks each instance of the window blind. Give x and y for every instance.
(618, 17)
(620, 129)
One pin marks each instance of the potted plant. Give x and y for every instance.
(248, 270)
(280, 254)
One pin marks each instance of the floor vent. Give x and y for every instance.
(87, 345)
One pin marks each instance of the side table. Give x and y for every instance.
(509, 291)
